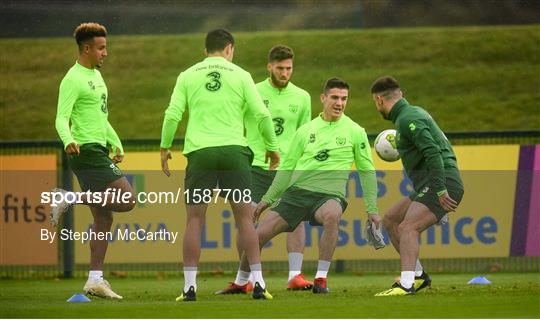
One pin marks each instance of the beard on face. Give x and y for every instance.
(278, 82)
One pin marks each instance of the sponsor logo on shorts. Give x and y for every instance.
(423, 192)
(115, 169)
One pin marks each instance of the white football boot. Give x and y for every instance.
(100, 288)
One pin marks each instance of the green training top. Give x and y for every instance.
(425, 151)
(321, 155)
(218, 93)
(290, 108)
(83, 100)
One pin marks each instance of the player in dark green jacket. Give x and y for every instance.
(431, 164)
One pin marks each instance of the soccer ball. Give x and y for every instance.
(385, 145)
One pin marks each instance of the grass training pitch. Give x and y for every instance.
(510, 295)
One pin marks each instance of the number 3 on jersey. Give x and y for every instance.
(214, 84)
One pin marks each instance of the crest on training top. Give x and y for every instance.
(341, 141)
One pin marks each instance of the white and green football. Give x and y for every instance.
(385, 145)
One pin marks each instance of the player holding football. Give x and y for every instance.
(218, 94)
(431, 164)
(83, 101)
(290, 107)
(310, 185)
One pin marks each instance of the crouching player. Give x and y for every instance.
(310, 186)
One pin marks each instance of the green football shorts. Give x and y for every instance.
(93, 167)
(223, 167)
(429, 197)
(261, 180)
(297, 205)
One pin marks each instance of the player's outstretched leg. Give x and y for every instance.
(270, 226)
(393, 217)
(417, 219)
(243, 214)
(296, 242)
(328, 215)
(391, 221)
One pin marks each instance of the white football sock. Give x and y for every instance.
(407, 279)
(95, 275)
(295, 264)
(322, 269)
(190, 278)
(256, 271)
(242, 277)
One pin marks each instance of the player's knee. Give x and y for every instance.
(109, 221)
(406, 227)
(103, 221)
(128, 204)
(262, 242)
(124, 207)
(331, 219)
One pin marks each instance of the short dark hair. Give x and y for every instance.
(87, 31)
(280, 53)
(384, 84)
(335, 83)
(217, 40)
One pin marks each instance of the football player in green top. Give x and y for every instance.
(218, 94)
(430, 163)
(83, 102)
(310, 185)
(290, 107)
